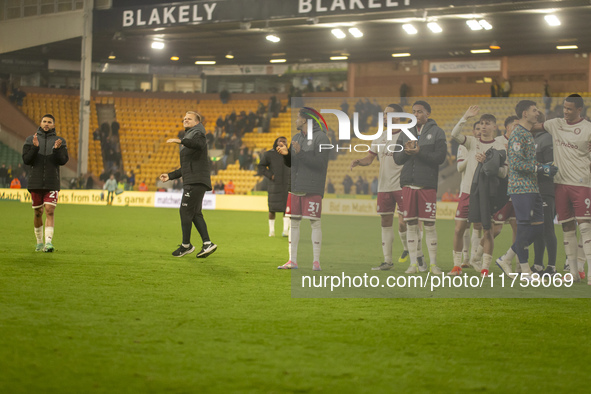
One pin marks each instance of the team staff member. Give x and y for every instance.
(195, 170)
(45, 152)
(421, 159)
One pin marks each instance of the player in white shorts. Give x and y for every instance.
(462, 211)
(389, 191)
(476, 148)
(572, 135)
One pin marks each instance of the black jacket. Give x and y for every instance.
(545, 154)
(195, 166)
(272, 166)
(309, 166)
(45, 161)
(488, 192)
(422, 169)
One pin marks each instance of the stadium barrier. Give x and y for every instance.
(258, 203)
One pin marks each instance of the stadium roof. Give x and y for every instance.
(518, 28)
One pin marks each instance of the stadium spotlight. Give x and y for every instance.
(277, 61)
(485, 24)
(157, 45)
(112, 56)
(552, 20)
(338, 33)
(434, 27)
(339, 57)
(273, 38)
(480, 51)
(494, 45)
(567, 47)
(205, 62)
(174, 58)
(473, 24)
(409, 29)
(229, 55)
(355, 32)
(405, 54)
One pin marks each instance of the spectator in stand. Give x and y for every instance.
(143, 187)
(89, 181)
(506, 88)
(219, 187)
(209, 137)
(115, 126)
(3, 176)
(345, 107)
(177, 184)
(447, 196)
(347, 183)
(243, 157)
(110, 186)
(131, 179)
(403, 94)
(359, 185)
(224, 96)
(330, 187)
(15, 184)
(229, 188)
(374, 186)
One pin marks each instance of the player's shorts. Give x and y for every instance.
(387, 202)
(572, 202)
(306, 207)
(419, 204)
(504, 214)
(41, 197)
(529, 208)
(463, 207)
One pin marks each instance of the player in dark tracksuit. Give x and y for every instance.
(545, 154)
(195, 170)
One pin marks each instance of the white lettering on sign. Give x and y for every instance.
(189, 13)
(306, 6)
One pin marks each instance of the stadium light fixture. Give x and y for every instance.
(339, 57)
(355, 32)
(157, 45)
(434, 27)
(230, 55)
(277, 61)
(338, 33)
(494, 45)
(204, 62)
(273, 38)
(473, 24)
(552, 20)
(567, 47)
(174, 58)
(409, 29)
(480, 51)
(112, 56)
(485, 24)
(405, 54)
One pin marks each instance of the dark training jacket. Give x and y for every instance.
(195, 167)
(309, 166)
(488, 192)
(45, 161)
(545, 154)
(272, 165)
(422, 169)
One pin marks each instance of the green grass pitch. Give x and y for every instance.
(111, 311)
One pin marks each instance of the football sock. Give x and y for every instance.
(289, 244)
(403, 239)
(475, 241)
(48, 234)
(39, 234)
(510, 255)
(412, 234)
(486, 259)
(285, 225)
(581, 257)
(466, 245)
(271, 226)
(431, 239)
(316, 239)
(419, 242)
(387, 241)
(478, 254)
(185, 245)
(571, 248)
(585, 229)
(295, 239)
(457, 256)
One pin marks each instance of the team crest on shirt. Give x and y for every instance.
(516, 146)
(309, 142)
(500, 216)
(577, 131)
(429, 136)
